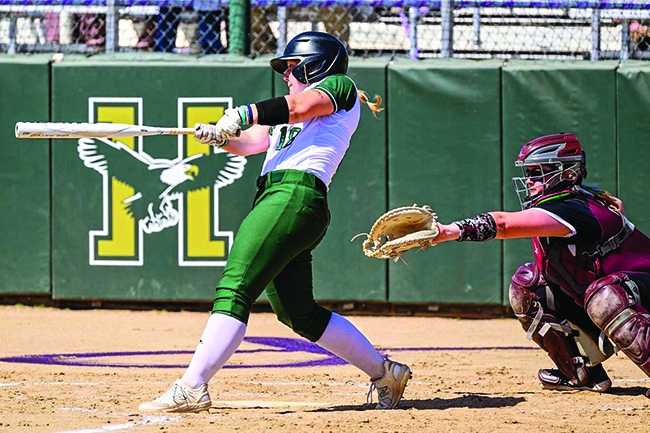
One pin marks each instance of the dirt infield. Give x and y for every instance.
(459, 383)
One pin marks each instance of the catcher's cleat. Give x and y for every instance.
(390, 387)
(180, 398)
(598, 380)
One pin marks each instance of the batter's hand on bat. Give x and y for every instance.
(208, 134)
(230, 124)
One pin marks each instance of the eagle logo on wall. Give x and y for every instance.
(157, 182)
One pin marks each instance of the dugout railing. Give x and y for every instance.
(476, 29)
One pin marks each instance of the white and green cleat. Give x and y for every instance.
(180, 398)
(390, 387)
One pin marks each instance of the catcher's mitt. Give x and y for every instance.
(399, 230)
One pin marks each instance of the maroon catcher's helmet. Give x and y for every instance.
(557, 161)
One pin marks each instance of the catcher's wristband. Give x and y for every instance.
(479, 228)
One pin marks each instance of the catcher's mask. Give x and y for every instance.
(549, 164)
(319, 55)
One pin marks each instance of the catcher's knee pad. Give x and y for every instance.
(529, 295)
(614, 304)
(525, 283)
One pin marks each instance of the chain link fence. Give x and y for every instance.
(91, 26)
(563, 29)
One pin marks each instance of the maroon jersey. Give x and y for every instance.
(602, 241)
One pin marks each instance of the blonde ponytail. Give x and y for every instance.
(607, 197)
(375, 106)
(612, 201)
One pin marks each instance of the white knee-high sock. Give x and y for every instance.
(221, 337)
(344, 340)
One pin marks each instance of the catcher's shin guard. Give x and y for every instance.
(614, 304)
(528, 291)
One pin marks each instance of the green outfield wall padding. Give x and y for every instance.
(356, 197)
(633, 102)
(24, 178)
(153, 219)
(541, 98)
(119, 232)
(444, 149)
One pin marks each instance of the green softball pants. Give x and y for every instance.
(272, 253)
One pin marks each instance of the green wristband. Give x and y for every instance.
(242, 114)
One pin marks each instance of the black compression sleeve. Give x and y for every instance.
(273, 112)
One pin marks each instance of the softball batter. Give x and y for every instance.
(305, 136)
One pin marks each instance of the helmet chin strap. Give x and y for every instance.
(304, 68)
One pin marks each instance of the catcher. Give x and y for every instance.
(589, 287)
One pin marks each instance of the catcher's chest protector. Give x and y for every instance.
(574, 266)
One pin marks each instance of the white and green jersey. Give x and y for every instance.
(318, 145)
